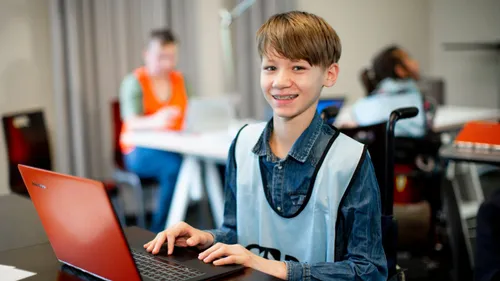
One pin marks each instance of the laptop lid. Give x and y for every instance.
(209, 113)
(481, 135)
(84, 231)
(80, 223)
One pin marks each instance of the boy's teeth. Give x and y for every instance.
(285, 97)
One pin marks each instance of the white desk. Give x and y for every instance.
(208, 149)
(449, 117)
(212, 145)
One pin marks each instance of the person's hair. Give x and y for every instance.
(299, 36)
(384, 64)
(164, 36)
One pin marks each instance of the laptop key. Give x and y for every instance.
(155, 269)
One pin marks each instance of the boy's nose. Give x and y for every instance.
(282, 80)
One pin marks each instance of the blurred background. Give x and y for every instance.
(65, 61)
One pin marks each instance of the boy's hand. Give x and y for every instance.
(222, 254)
(181, 235)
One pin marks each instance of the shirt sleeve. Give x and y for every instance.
(364, 257)
(130, 97)
(227, 233)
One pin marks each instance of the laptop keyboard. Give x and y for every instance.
(151, 267)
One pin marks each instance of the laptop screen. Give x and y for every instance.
(327, 102)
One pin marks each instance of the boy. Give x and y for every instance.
(297, 192)
(154, 98)
(396, 74)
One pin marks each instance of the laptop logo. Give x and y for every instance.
(38, 185)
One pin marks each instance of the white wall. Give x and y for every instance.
(25, 65)
(365, 27)
(472, 77)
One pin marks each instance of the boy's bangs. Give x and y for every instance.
(289, 44)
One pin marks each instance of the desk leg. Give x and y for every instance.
(190, 169)
(196, 187)
(214, 192)
(468, 196)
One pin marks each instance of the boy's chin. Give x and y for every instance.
(291, 113)
(285, 114)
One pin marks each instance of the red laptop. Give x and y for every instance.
(84, 233)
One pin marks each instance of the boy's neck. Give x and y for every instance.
(287, 131)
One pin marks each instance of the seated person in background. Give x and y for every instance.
(395, 76)
(154, 97)
(301, 199)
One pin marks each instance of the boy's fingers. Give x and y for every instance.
(226, 260)
(216, 254)
(151, 245)
(170, 242)
(208, 251)
(194, 240)
(181, 242)
(159, 240)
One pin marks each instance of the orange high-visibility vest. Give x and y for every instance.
(151, 104)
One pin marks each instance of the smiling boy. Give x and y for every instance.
(301, 199)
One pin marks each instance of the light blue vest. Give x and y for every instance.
(310, 235)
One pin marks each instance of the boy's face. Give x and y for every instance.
(293, 87)
(160, 59)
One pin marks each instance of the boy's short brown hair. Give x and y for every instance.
(299, 36)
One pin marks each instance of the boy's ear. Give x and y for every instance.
(331, 75)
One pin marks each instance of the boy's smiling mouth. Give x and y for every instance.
(284, 97)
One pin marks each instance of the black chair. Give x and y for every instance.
(374, 137)
(418, 185)
(380, 141)
(389, 225)
(27, 142)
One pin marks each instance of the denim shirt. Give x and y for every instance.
(358, 243)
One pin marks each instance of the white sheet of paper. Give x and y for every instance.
(10, 273)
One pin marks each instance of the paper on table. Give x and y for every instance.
(10, 273)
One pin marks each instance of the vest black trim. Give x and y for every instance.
(311, 185)
(233, 152)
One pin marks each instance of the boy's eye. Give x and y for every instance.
(297, 68)
(270, 68)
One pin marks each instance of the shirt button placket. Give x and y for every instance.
(280, 184)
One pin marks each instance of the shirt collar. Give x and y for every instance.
(301, 148)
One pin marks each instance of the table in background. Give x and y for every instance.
(20, 224)
(207, 149)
